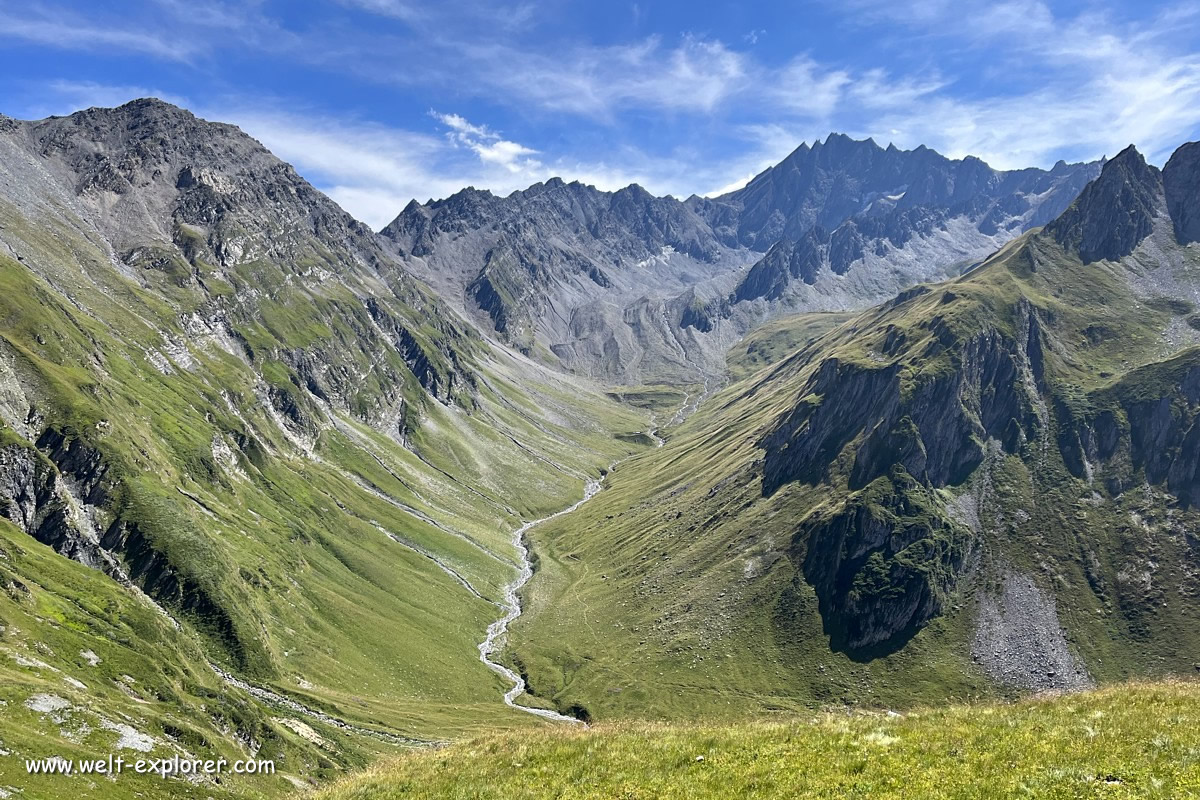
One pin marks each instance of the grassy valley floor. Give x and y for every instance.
(1129, 740)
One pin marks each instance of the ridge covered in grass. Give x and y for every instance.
(1129, 740)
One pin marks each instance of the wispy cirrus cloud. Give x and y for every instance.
(696, 75)
(72, 33)
(1092, 83)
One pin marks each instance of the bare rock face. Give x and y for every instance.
(1181, 184)
(35, 498)
(150, 170)
(935, 431)
(784, 262)
(1145, 428)
(1115, 212)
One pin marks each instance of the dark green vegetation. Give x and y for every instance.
(1133, 740)
(978, 487)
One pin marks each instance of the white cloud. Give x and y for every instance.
(804, 87)
(388, 8)
(510, 155)
(460, 125)
(732, 186)
(370, 170)
(488, 145)
(696, 75)
(65, 32)
(1099, 85)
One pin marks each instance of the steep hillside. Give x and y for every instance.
(980, 486)
(1134, 740)
(635, 288)
(574, 276)
(261, 444)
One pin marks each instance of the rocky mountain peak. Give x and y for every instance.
(156, 178)
(634, 190)
(1181, 185)
(842, 177)
(1115, 212)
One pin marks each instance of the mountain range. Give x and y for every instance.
(625, 286)
(879, 428)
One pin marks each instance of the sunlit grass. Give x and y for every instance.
(1132, 740)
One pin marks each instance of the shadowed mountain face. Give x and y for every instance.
(631, 287)
(1181, 185)
(1114, 213)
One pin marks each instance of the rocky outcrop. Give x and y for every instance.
(786, 261)
(442, 372)
(506, 289)
(34, 497)
(839, 402)
(699, 314)
(834, 251)
(1115, 212)
(935, 429)
(151, 569)
(54, 492)
(1181, 185)
(882, 564)
(1146, 428)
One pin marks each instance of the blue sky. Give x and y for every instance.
(380, 101)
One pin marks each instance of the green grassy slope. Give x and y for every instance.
(687, 591)
(81, 661)
(1132, 740)
(295, 537)
(774, 340)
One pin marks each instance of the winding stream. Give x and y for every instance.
(512, 600)
(512, 606)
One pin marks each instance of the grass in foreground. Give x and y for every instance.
(1132, 740)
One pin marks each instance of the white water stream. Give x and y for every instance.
(512, 600)
(512, 606)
